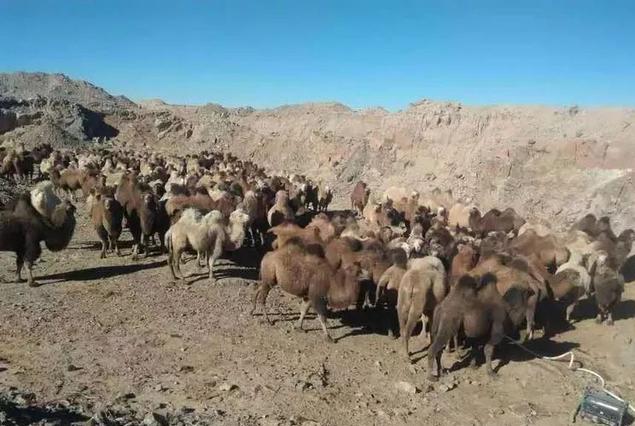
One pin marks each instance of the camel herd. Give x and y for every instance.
(468, 278)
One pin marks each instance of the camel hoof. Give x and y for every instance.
(19, 280)
(33, 284)
(492, 375)
(329, 339)
(609, 322)
(598, 320)
(433, 378)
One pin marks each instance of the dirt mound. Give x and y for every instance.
(44, 132)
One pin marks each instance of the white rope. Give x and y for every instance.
(571, 366)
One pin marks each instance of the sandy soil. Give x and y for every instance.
(97, 330)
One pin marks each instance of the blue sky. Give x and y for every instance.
(361, 53)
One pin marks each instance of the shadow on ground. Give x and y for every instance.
(99, 272)
(18, 415)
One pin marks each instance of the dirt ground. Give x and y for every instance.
(98, 330)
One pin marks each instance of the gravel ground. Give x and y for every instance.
(116, 340)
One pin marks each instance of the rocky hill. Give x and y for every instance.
(25, 85)
(551, 164)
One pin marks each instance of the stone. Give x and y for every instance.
(226, 387)
(406, 387)
(154, 419)
(125, 396)
(446, 387)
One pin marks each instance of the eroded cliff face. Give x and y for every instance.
(550, 164)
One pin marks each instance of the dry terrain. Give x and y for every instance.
(119, 338)
(122, 335)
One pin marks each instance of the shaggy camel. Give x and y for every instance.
(508, 277)
(306, 274)
(208, 235)
(462, 262)
(359, 197)
(281, 210)
(419, 292)
(478, 308)
(608, 285)
(107, 216)
(23, 229)
(550, 252)
(495, 220)
(140, 209)
(388, 289)
(288, 231)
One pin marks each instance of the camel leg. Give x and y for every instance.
(568, 311)
(405, 337)
(32, 253)
(210, 267)
(530, 314)
(212, 257)
(434, 356)
(104, 245)
(162, 243)
(19, 262)
(261, 296)
(171, 261)
(146, 246)
(135, 251)
(115, 244)
(389, 321)
(304, 308)
(489, 352)
(424, 328)
(177, 264)
(320, 308)
(402, 323)
(497, 334)
(609, 318)
(367, 303)
(29, 271)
